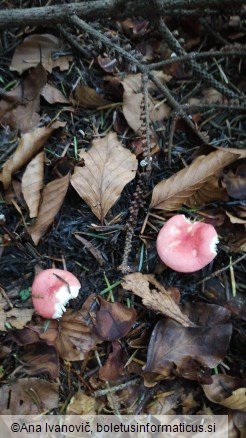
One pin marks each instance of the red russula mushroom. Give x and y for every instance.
(186, 246)
(51, 291)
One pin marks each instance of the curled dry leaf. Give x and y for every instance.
(235, 184)
(36, 49)
(174, 349)
(29, 396)
(158, 300)
(39, 358)
(32, 183)
(227, 391)
(52, 199)
(87, 97)
(114, 320)
(19, 107)
(108, 168)
(29, 144)
(171, 193)
(210, 191)
(72, 336)
(114, 368)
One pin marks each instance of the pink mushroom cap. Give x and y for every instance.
(186, 246)
(51, 291)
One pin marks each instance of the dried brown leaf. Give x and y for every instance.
(32, 183)
(82, 404)
(170, 194)
(114, 320)
(19, 107)
(227, 391)
(73, 336)
(159, 300)
(132, 110)
(87, 97)
(39, 358)
(16, 317)
(114, 368)
(36, 49)
(53, 95)
(211, 191)
(133, 83)
(235, 184)
(184, 350)
(29, 144)
(29, 396)
(52, 198)
(108, 168)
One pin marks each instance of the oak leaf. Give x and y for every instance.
(108, 168)
(171, 193)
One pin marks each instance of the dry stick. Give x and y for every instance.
(142, 68)
(221, 270)
(177, 48)
(112, 8)
(237, 51)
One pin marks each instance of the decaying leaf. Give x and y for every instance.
(87, 97)
(30, 143)
(16, 317)
(53, 95)
(19, 107)
(52, 199)
(158, 300)
(82, 404)
(132, 99)
(132, 110)
(235, 183)
(114, 320)
(37, 49)
(227, 391)
(71, 335)
(108, 168)
(170, 194)
(210, 191)
(183, 351)
(114, 367)
(32, 183)
(29, 396)
(39, 358)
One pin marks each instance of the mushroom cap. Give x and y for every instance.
(186, 246)
(51, 291)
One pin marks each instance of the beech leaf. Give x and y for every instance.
(108, 168)
(159, 300)
(87, 97)
(227, 391)
(32, 183)
(36, 48)
(52, 199)
(114, 320)
(29, 144)
(171, 193)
